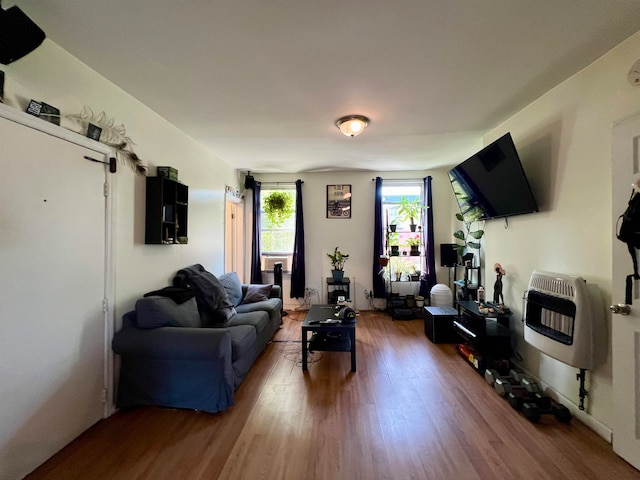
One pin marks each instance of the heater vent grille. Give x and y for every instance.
(551, 285)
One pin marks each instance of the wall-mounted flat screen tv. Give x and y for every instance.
(492, 183)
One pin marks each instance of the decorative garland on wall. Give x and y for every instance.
(113, 135)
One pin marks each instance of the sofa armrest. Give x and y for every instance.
(176, 343)
(179, 367)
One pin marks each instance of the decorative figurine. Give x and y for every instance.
(498, 298)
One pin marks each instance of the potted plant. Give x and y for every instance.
(393, 222)
(398, 268)
(419, 301)
(338, 260)
(410, 210)
(414, 274)
(394, 243)
(278, 206)
(467, 236)
(414, 245)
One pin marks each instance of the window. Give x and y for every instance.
(276, 239)
(404, 242)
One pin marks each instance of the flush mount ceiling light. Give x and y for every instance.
(352, 125)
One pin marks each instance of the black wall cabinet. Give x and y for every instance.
(167, 209)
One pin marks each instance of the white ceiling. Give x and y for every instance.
(260, 83)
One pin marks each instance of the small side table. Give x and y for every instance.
(333, 287)
(438, 324)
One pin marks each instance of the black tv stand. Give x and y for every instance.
(486, 337)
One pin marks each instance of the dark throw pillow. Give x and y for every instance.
(257, 293)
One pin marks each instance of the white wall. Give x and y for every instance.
(52, 75)
(564, 139)
(354, 236)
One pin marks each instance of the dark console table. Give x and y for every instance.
(487, 334)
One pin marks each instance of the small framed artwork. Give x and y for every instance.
(94, 132)
(50, 114)
(338, 201)
(34, 108)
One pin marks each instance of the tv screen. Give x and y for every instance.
(492, 183)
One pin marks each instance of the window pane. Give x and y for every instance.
(402, 237)
(277, 239)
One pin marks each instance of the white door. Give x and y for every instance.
(234, 235)
(625, 328)
(52, 283)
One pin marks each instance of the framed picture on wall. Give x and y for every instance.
(338, 201)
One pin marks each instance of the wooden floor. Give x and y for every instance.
(413, 410)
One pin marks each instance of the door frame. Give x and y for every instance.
(234, 234)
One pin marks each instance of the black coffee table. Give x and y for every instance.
(345, 342)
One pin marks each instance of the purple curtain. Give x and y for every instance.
(379, 288)
(256, 250)
(429, 279)
(298, 285)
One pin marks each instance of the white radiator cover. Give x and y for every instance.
(582, 336)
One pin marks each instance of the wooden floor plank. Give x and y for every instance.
(413, 410)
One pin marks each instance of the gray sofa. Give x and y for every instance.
(191, 345)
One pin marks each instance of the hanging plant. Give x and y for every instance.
(113, 135)
(278, 206)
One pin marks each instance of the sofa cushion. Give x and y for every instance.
(261, 322)
(257, 293)
(233, 286)
(258, 319)
(156, 311)
(244, 350)
(213, 302)
(272, 305)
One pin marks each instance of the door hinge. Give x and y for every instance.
(105, 305)
(105, 189)
(104, 395)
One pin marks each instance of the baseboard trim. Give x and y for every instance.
(598, 427)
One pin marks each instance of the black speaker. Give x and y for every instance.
(249, 181)
(448, 255)
(18, 35)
